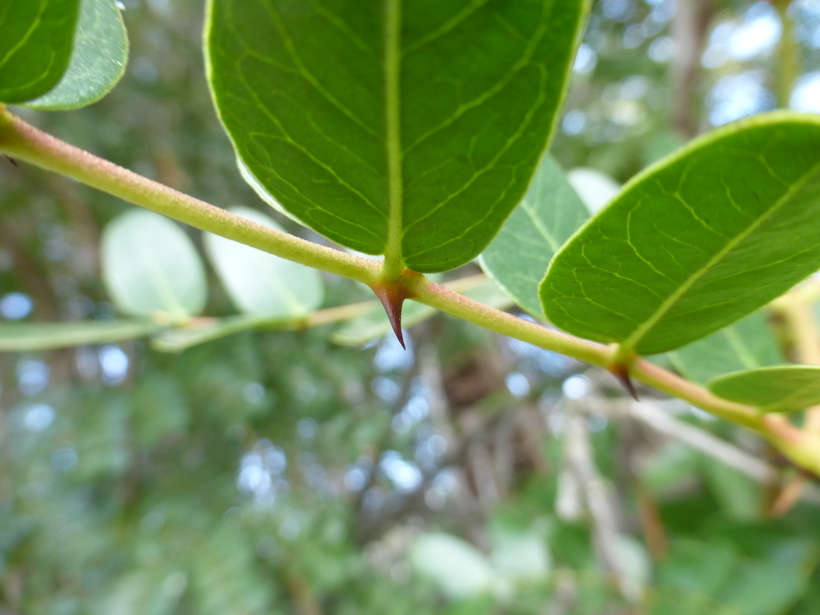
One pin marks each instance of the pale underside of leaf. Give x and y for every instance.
(747, 344)
(97, 62)
(549, 214)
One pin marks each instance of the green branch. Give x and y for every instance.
(24, 142)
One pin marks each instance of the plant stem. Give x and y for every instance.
(26, 143)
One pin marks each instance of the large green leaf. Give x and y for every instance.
(260, 283)
(31, 336)
(747, 344)
(408, 129)
(151, 267)
(36, 37)
(784, 388)
(97, 62)
(697, 241)
(549, 214)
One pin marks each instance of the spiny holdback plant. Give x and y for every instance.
(417, 130)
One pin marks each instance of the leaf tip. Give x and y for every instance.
(621, 372)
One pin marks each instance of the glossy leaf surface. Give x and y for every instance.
(783, 388)
(151, 267)
(97, 61)
(697, 241)
(547, 217)
(747, 344)
(408, 129)
(36, 38)
(31, 336)
(260, 283)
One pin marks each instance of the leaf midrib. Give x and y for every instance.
(632, 341)
(392, 57)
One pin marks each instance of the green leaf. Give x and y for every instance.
(29, 337)
(97, 62)
(697, 241)
(747, 344)
(36, 38)
(150, 266)
(385, 126)
(784, 388)
(262, 284)
(519, 255)
(374, 324)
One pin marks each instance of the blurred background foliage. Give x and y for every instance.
(280, 472)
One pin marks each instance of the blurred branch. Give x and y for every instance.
(599, 501)
(788, 55)
(690, 27)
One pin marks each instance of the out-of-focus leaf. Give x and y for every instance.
(459, 569)
(225, 578)
(518, 256)
(262, 284)
(102, 438)
(520, 555)
(143, 592)
(669, 466)
(151, 267)
(369, 137)
(31, 336)
(764, 588)
(362, 329)
(36, 38)
(697, 241)
(596, 189)
(697, 567)
(158, 408)
(97, 61)
(783, 388)
(738, 495)
(747, 344)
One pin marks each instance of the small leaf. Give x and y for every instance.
(519, 255)
(784, 388)
(150, 266)
(460, 570)
(36, 38)
(97, 61)
(392, 123)
(697, 241)
(747, 344)
(29, 337)
(362, 329)
(259, 283)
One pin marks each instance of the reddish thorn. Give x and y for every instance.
(11, 160)
(392, 297)
(621, 372)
